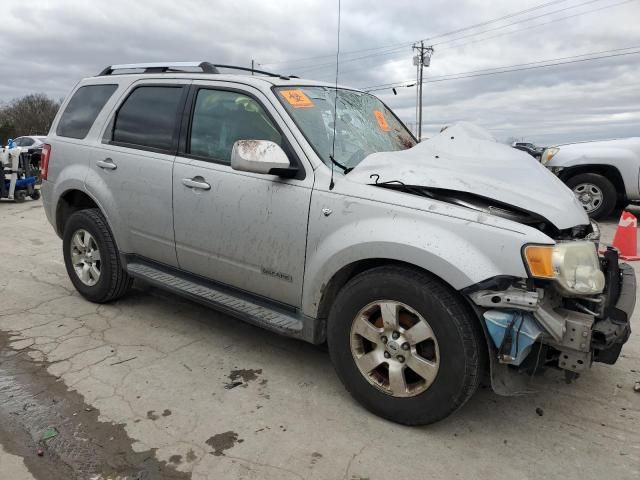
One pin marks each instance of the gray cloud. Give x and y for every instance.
(48, 46)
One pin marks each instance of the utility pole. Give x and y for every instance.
(252, 66)
(420, 60)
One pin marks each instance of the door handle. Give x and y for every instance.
(196, 182)
(106, 164)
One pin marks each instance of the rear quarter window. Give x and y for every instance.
(82, 110)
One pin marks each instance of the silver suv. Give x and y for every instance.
(310, 210)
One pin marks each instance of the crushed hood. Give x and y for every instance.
(466, 158)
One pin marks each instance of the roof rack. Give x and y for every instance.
(166, 67)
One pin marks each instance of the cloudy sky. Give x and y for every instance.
(48, 45)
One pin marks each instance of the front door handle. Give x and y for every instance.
(106, 164)
(196, 182)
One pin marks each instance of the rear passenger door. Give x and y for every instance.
(242, 229)
(133, 167)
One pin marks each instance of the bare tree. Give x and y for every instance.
(28, 115)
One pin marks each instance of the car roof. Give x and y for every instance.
(258, 81)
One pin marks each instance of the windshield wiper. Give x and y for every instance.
(345, 170)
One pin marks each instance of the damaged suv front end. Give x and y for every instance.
(573, 309)
(572, 306)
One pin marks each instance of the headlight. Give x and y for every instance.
(573, 265)
(548, 154)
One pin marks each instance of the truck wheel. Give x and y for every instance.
(92, 259)
(405, 345)
(596, 194)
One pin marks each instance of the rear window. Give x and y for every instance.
(148, 116)
(82, 110)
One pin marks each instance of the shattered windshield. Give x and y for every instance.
(364, 124)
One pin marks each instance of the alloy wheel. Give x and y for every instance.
(85, 257)
(394, 348)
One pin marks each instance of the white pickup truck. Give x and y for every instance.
(602, 174)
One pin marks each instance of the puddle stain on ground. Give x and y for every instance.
(32, 401)
(242, 378)
(223, 441)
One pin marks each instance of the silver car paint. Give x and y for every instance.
(622, 153)
(465, 158)
(461, 246)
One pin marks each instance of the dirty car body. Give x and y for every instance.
(423, 266)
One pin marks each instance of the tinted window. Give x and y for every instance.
(148, 117)
(82, 110)
(222, 117)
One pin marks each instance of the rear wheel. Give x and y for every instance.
(596, 194)
(405, 345)
(20, 196)
(92, 259)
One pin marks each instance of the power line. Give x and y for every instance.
(403, 44)
(307, 68)
(506, 69)
(403, 52)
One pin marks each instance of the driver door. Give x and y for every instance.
(244, 230)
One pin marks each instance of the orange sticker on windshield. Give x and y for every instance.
(382, 122)
(296, 98)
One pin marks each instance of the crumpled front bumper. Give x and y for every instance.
(613, 330)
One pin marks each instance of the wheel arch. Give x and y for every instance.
(610, 172)
(70, 202)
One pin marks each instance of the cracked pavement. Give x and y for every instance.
(186, 392)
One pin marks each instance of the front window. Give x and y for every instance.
(364, 125)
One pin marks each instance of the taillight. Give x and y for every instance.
(44, 161)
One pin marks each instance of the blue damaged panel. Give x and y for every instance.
(520, 328)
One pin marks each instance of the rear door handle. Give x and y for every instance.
(106, 164)
(196, 182)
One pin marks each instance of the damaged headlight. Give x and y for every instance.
(573, 265)
(548, 154)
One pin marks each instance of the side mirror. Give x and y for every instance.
(260, 156)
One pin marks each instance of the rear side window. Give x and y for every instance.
(148, 116)
(82, 110)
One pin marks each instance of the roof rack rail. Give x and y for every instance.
(166, 67)
(160, 67)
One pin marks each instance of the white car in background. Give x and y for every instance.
(602, 174)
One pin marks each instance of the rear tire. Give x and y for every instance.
(35, 195)
(20, 196)
(455, 350)
(98, 277)
(595, 193)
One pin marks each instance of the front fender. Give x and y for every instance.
(461, 251)
(625, 161)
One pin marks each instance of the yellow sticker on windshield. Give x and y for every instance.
(297, 98)
(382, 122)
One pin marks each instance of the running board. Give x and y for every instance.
(249, 310)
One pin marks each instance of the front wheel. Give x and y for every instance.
(596, 194)
(92, 259)
(405, 345)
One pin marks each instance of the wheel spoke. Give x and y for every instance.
(84, 273)
(389, 312)
(77, 242)
(95, 273)
(76, 259)
(95, 255)
(422, 367)
(371, 360)
(420, 332)
(397, 382)
(365, 329)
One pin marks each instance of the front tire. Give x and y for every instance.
(596, 194)
(405, 345)
(92, 259)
